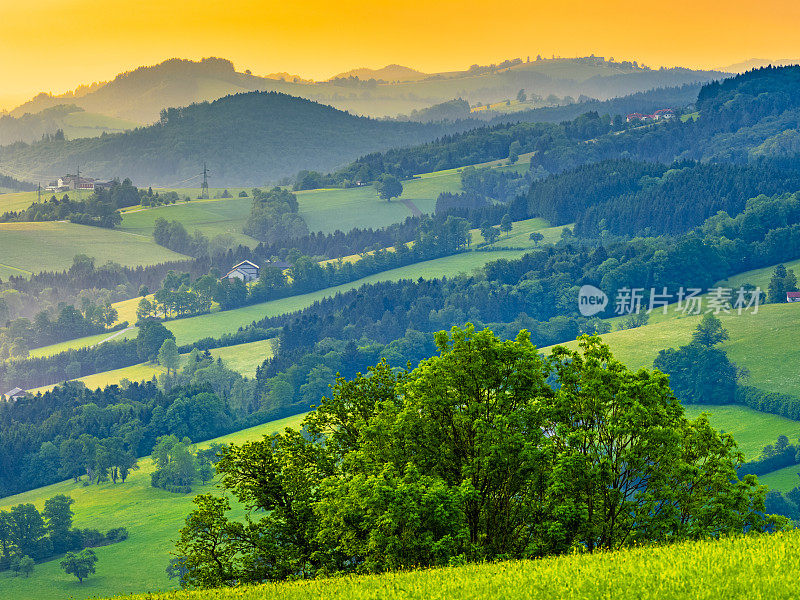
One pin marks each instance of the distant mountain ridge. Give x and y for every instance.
(140, 95)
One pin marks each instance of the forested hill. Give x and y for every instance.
(246, 139)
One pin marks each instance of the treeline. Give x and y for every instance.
(448, 152)
(33, 372)
(780, 455)
(624, 197)
(741, 118)
(646, 102)
(73, 432)
(27, 535)
(99, 209)
(108, 282)
(433, 238)
(20, 335)
(6, 181)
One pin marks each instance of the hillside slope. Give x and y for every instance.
(139, 95)
(743, 567)
(152, 516)
(72, 120)
(246, 139)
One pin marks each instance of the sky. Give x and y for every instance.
(56, 45)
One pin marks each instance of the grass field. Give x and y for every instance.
(759, 277)
(13, 201)
(519, 236)
(215, 324)
(75, 344)
(242, 358)
(752, 567)
(50, 246)
(323, 210)
(751, 429)
(212, 217)
(152, 517)
(784, 479)
(764, 343)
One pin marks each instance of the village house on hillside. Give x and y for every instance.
(245, 270)
(793, 296)
(248, 271)
(663, 114)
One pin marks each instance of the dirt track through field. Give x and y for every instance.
(412, 207)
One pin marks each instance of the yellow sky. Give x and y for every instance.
(54, 45)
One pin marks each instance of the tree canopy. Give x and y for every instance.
(487, 450)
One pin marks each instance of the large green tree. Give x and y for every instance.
(487, 450)
(152, 335)
(80, 564)
(168, 356)
(388, 187)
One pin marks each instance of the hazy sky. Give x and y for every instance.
(54, 45)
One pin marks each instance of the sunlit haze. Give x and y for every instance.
(55, 45)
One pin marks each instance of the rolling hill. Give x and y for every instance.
(50, 245)
(389, 73)
(247, 139)
(141, 94)
(739, 567)
(72, 120)
(152, 516)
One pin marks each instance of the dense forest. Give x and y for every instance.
(267, 135)
(625, 197)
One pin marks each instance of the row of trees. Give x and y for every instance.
(100, 208)
(27, 535)
(22, 334)
(94, 436)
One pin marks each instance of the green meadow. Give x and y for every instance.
(215, 324)
(758, 277)
(211, 217)
(764, 343)
(323, 210)
(13, 201)
(50, 246)
(756, 566)
(152, 517)
(519, 236)
(242, 358)
(751, 429)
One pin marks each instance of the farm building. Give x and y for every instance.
(74, 182)
(245, 270)
(15, 394)
(793, 296)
